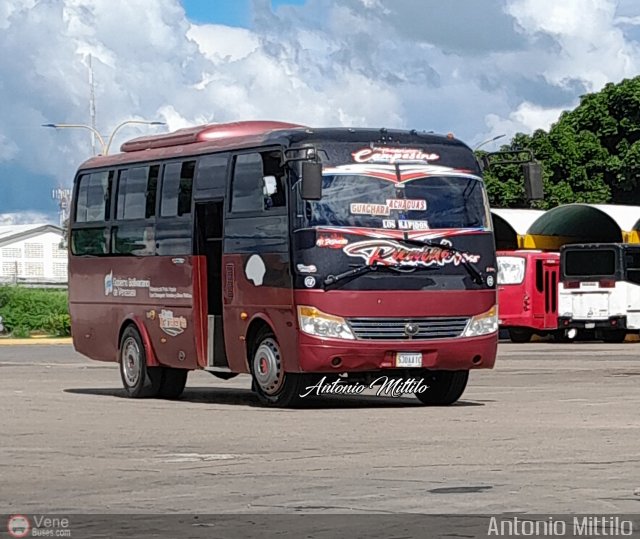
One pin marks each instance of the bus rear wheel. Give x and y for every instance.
(614, 336)
(520, 335)
(273, 386)
(444, 387)
(173, 382)
(139, 380)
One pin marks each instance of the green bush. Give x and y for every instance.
(26, 310)
(58, 325)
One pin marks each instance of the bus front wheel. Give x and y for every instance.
(443, 387)
(138, 379)
(273, 386)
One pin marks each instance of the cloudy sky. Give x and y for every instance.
(478, 68)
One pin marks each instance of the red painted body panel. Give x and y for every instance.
(315, 354)
(98, 316)
(540, 311)
(453, 354)
(153, 292)
(274, 305)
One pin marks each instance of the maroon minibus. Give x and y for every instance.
(295, 254)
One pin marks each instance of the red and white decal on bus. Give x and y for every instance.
(332, 241)
(391, 253)
(360, 208)
(421, 235)
(170, 324)
(385, 154)
(389, 172)
(407, 204)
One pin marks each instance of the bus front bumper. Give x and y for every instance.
(335, 355)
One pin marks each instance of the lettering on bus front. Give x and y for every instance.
(390, 253)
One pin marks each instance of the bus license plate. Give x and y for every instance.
(589, 325)
(409, 359)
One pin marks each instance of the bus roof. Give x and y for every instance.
(230, 136)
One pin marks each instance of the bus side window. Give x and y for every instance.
(632, 263)
(177, 186)
(93, 195)
(91, 214)
(258, 181)
(137, 192)
(273, 181)
(539, 276)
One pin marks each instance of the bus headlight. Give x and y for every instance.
(482, 324)
(315, 322)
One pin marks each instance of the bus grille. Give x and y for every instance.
(408, 328)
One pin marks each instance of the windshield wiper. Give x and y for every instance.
(471, 269)
(366, 268)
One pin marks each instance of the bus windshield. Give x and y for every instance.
(428, 202)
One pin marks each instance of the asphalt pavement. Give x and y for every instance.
(553, 428)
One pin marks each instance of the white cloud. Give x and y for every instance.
(525, 119)
(223, 43)
(8, 148)
(477, 69)
(590, 46)
(25, 218)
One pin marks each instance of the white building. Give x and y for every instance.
(32, 255)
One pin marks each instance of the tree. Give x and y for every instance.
(591, 154)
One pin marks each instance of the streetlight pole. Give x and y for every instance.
(497, 137)
(121, 125)
(79, 126)
(105, 145)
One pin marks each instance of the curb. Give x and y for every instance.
(36, 341)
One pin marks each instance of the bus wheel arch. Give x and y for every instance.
(273, 386)
(152, 360)
(138, 379)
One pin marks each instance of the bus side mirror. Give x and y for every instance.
(533, 181)
(311, 180)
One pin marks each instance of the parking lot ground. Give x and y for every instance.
(552, 429)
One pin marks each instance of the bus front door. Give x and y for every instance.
(208, 236)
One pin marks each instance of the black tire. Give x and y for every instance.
(560, 336)
(444, 387)
(520, 335)
(173, 382)
(272, 385)
(614, 336)
(139, 380)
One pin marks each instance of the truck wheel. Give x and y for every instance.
(520, 335)
(273, 386)
(445, 387)
(138, 379)
(173, 382)
(614, 336)
(565, 335)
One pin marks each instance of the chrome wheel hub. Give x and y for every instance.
(131, 361)
(267, 367)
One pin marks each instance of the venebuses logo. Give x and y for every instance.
(18, 526)
(391, 253)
